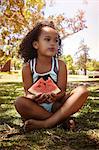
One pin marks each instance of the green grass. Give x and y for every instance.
(85, 136)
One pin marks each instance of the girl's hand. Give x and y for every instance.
(47, 98)
(30, 96)
(51, 98)
(55, 97)
(41, 98)
(60, 95)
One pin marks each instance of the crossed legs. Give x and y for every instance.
(36, 117)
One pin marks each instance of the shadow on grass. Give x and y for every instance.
(95, 94)
(85, 136)
(8, 94)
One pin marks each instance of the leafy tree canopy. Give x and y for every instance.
(18, 17)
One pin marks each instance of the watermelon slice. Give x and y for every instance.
(44, 86)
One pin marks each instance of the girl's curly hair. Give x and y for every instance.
(26, 49)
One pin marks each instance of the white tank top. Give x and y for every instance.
(52, 73)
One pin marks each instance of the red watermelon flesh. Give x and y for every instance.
(44, 86)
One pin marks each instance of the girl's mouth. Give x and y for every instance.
(51, 49)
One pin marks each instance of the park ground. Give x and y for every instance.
(84, 137)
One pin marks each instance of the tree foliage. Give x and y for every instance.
(82, 56)
(69, 62)
(93, 65)
(18, 17)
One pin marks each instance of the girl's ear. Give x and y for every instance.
(35, 44)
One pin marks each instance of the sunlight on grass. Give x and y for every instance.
(84, 137)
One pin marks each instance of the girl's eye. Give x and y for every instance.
(47, 39)
(57, 40)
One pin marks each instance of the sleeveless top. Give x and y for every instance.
(52, 73)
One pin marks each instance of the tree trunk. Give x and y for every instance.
(6, 67)
(85, 71)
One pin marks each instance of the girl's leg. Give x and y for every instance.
(57, 105)
(30, 110)
(70, 106)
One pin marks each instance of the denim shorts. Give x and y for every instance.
(47, 106)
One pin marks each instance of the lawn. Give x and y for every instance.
(84, 137)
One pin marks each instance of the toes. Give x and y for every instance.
(69, 124)
(27, 126)
(72, 124)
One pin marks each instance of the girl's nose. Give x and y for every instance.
(52, 43)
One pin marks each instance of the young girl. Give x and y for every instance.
(40, 50)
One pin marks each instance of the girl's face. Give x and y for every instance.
(47, 44)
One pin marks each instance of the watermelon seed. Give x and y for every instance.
(38, 85)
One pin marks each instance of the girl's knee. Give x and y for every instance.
(82, 90)
(19, 101)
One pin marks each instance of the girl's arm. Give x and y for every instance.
(27, 83)
(62, 76)
(62, 83)
(26, 77)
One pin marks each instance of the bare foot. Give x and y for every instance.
(69, 124)
(31, 124)
(72, 124)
